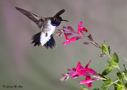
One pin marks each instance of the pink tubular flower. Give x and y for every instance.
(81, 71)
(70, 40)
(81, 28)
(88, 81)
(89, 70)
(70, 31)
(78, 71)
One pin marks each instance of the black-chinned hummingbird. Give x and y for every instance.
(47, 25)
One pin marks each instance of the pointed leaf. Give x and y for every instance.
(106, 84)
(119, 86)
(103, 50)
(83, 88)
(105, 44)
(120, 75)
(106, 71)
(96, 89)
(115, 57)
(109, 50)
(125, 70)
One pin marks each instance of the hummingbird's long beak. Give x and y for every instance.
(64, 20)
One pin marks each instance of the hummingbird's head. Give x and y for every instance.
(57, 20)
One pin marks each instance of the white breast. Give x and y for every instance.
(49, 30)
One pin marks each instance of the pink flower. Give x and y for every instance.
(81, 71)
(70, 40)
(80, 28)
(88, 81)
(89, 70)
(78, 71)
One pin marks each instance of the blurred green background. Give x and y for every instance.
(37, 68)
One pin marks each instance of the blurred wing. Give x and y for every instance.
(34, 17)
(60, 12)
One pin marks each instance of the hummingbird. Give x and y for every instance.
(47, 26)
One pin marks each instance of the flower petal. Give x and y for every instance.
(90, 37)
(87, 81)
(73, 74)
(65, 77)
(90, 71)
(86, 43)
(59, 34)
(65, 43)
(69, 34)
(84, 29)
(82, 73)
(67, 39)
(80, 23)
(78, 67)
(70, 28)
(88, 64)
(75, 38)
(65, 29)
(76, 76)
(73, 69)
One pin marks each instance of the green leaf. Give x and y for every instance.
(126, 85)
(83, 88)
(106, 84)
(119, 86)
(112, 64)
(115, 57)
(103, 50)
(109, 62)
(120, 75)
(96, 89)
(109, 50)
(105, 44)
(106, 71)
(125, 70)
(102, 76)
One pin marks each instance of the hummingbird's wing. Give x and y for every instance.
(60, 12)
(34, 17)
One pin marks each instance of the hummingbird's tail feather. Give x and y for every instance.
(36, 41)
(50, 43)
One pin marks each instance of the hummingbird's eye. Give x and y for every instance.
(55, 19)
